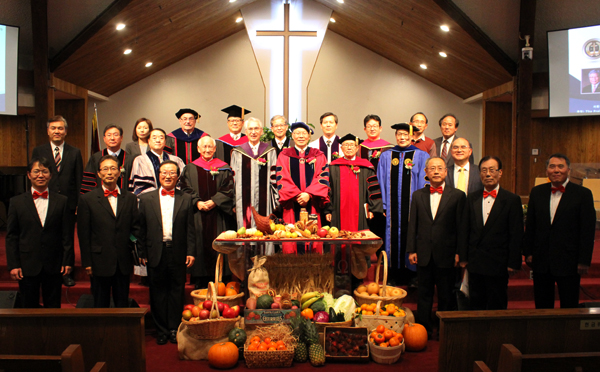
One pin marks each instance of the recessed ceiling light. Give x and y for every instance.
(443, 54)
(239, 19)
(232, 1)
(120, 26)
(127, 51)
(423, 66)
(445, 28)
(340, 1)
(332, 20)
(148, 64)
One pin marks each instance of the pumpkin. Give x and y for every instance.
(237, 336)
(415, 336)
(230, 292)
(234, 285)
(223, 355)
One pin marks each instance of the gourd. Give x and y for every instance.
(237, 336)
(230, 234)
(264, 302)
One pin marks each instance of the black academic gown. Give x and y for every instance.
(91, 180)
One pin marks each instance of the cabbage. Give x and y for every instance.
(321, 317)
(346, 305)
(328, 300)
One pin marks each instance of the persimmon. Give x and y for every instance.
(388, 334)
(379, 338)
(394, 341)
(234, 285)
(373, 334)
(380, 328)
(383, 344)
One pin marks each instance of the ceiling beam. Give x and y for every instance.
(478, 35)
(90, 30)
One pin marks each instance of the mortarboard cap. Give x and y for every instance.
(300, 124)
(235, 111)
(186, 111)
(350, 137)
(404, 126)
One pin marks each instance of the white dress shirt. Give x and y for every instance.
(112, 200)
(457, 173)
(235, 137)
(555, 200)
(61, 149)
(434, 201)
(115, 154)
(488, 203)
(254, 148)
(167, 204)
(279, 144)
(41, 204)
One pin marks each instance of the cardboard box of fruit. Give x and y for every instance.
(343, 344)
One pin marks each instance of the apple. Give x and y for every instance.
(214, 314)
(204, 314)
(229, 313)
(326, 227)
(241, 231)
(322, 233)
(334, 232)
(186, 314)
(275, 305)
(195, 311)
(236, 308)
(220, 307)
(225, 306)
(207, 304)
(188, 307)
(294, 307)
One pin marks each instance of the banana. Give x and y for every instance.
(310, 302)
(308, 296)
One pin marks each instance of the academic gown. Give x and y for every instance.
(322, 145)
(372, 150)
(226, 144)
(144, 176)
(398, 179)
(353, 184)
(184, 146)
(198, 181)
(287, 143)
(91, 180)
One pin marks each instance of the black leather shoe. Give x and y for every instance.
(68, 280)
(173, 336)
(161, 339)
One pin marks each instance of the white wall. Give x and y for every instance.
(348, 80)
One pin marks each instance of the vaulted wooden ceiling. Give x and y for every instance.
(406, 32)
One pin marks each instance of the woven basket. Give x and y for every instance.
(386, 355)
(395, 323)
(262, 223)
(365, 298)
(268, 359)
(321, 326)
(211, 329)
(229, 300)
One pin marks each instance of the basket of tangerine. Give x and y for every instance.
(386, 345)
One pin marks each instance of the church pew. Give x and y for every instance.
(469, 336)
(71, 360)
(480, 366)
(512, 360)
(113, 336)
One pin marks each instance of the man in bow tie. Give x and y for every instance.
(436, 235)
(106, 219)
(559, 235)
(493, 253)
(39, 238)
(167, 246)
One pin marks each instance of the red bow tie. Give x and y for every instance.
(491, 193)
(559, 188)
(43, 195)
(114, 193)
(439, 190)
(164, 192)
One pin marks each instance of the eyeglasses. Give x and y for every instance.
(433, 169)
(373, 126)
(115, 135)
(234, 121)
(36, 172)
(349, 145)
(165, 173)
(279, 126)
(254, 129)
(488, 170)
(463, 147)
(187, 119)
(559, 166)
(106, 169)
(419, 122)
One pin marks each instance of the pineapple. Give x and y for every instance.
(300, 351)
(316, 354)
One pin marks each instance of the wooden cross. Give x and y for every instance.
(286, 33)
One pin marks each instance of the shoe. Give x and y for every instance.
(161, 339)
(173, 336)
(413, 283)
(68, 280)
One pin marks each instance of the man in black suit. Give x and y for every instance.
(279, 127)
(106, 218)
(436, 235)
(448, 125)
(167, 237)
(39, 240)
(463, 174)
(559, 235)
(67, 170)
(495, 218)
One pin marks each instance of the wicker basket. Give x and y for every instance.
(229, 300)
(365, 298)
(321, 326)
(211, 329)
(268, 359)
(395, 323)
(262, 223)
(386, 355)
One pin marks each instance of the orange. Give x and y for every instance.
(280, 343)
(387, 334)
(263, 347)
(255, 338)
(272, 348)
(267, 340)
(222, 289)
(384, 313)
(373, 288)
(230, 292)
(253, 347)
(394, 341)
(380, 328)
(281, 347)
(364, 306)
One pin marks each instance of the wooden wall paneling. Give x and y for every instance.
(13, 148)
(498, 138)
(75, 111)
(39, 21)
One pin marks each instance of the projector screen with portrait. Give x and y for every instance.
(574, 70)
(9, 52)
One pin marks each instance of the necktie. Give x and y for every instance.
(444, 149)
(43, 195)
(328, 143)
(462, 180)
(57, 158)
(433, 190)
(491, 193)
(114, 193)
(164, 192)
(559, 188)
